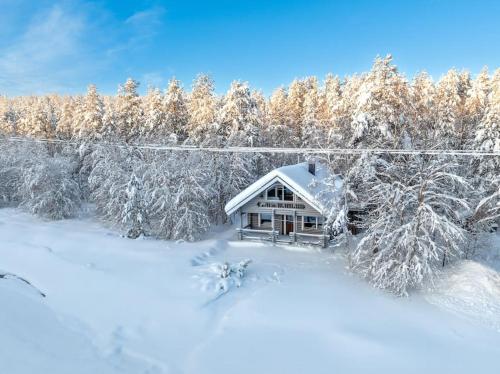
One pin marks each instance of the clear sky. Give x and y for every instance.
(61, 46)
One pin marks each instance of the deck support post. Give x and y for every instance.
(240, 233)
(294, 226)
(272, 225)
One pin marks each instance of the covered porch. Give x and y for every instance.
(280, 226)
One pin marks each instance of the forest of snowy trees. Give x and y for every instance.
(421, 211)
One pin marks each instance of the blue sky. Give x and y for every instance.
(62, 46)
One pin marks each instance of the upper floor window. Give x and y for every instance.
(279, 192)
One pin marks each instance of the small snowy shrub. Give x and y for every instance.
(230, 274)
(49, 190)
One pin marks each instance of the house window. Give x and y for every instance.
(320, 223)
(278, 192)
(271, 193)
(265, 218)
(309, 222)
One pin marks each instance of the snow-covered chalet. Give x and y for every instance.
(289, 204)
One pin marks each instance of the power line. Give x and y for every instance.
(325, 151)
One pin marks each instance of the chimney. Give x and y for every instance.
(312, 167)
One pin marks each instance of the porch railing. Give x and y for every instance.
(274, 236)
(271, 235)
(316, 239)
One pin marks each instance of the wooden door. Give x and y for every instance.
(289, 225)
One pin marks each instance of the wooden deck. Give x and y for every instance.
(315, 237)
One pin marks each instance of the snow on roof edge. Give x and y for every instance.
(296, 176)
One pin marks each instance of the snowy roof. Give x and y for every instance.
(311, 188)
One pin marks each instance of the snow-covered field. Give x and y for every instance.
(115, 305)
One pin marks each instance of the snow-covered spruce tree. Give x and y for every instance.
(160, 185)
(108, 181)
(48, 188)
(128, 112)
(8, 117)
(276, 129)
(332, 93)
(381, 113)
(134, 215)
(476, 104)
(38, 118)
(202, 108)
(487, 137)
(13, 159)
(239, 117)
(191, 199)
(295, 106)
(312, 134)
(422, 111)
(450, 98)
(414, 225)
(66, 124)
(90, 116)
(485, 170)
(176, 114)
(154, 129)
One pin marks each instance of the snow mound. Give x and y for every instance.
(470, 289)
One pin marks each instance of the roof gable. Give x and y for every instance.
(295, 177)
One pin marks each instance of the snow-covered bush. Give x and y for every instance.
(414, 225)
(230, 275)
(115, 184)
(10, 172)
(165, 195)
(48, 188)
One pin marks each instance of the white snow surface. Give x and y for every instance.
(115, 305)
(310, 187)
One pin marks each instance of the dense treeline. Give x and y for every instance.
(419, 212)
(377, 108)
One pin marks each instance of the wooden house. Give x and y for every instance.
(289, 204)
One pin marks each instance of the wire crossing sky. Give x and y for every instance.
(302, 151)
(63, 45)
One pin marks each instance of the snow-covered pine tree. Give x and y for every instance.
(381, 117)
(108, 180)
(476, 104)
(487, 135)
(450, 97)
(109, 120)
(311, 132)
(416, 209)
(485, 171)
(8, 117)
(239, 116)
(66, 124)
(128, 112)
(191, 199)
(333, 96)
(176, 114)
(422, 97)
(91, 115)
(295, 108)
(48, 188)
(160, 186)
(154, 117)
(277, 129)
(134, 214)
(202, 108)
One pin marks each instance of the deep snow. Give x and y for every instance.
(116, 305)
